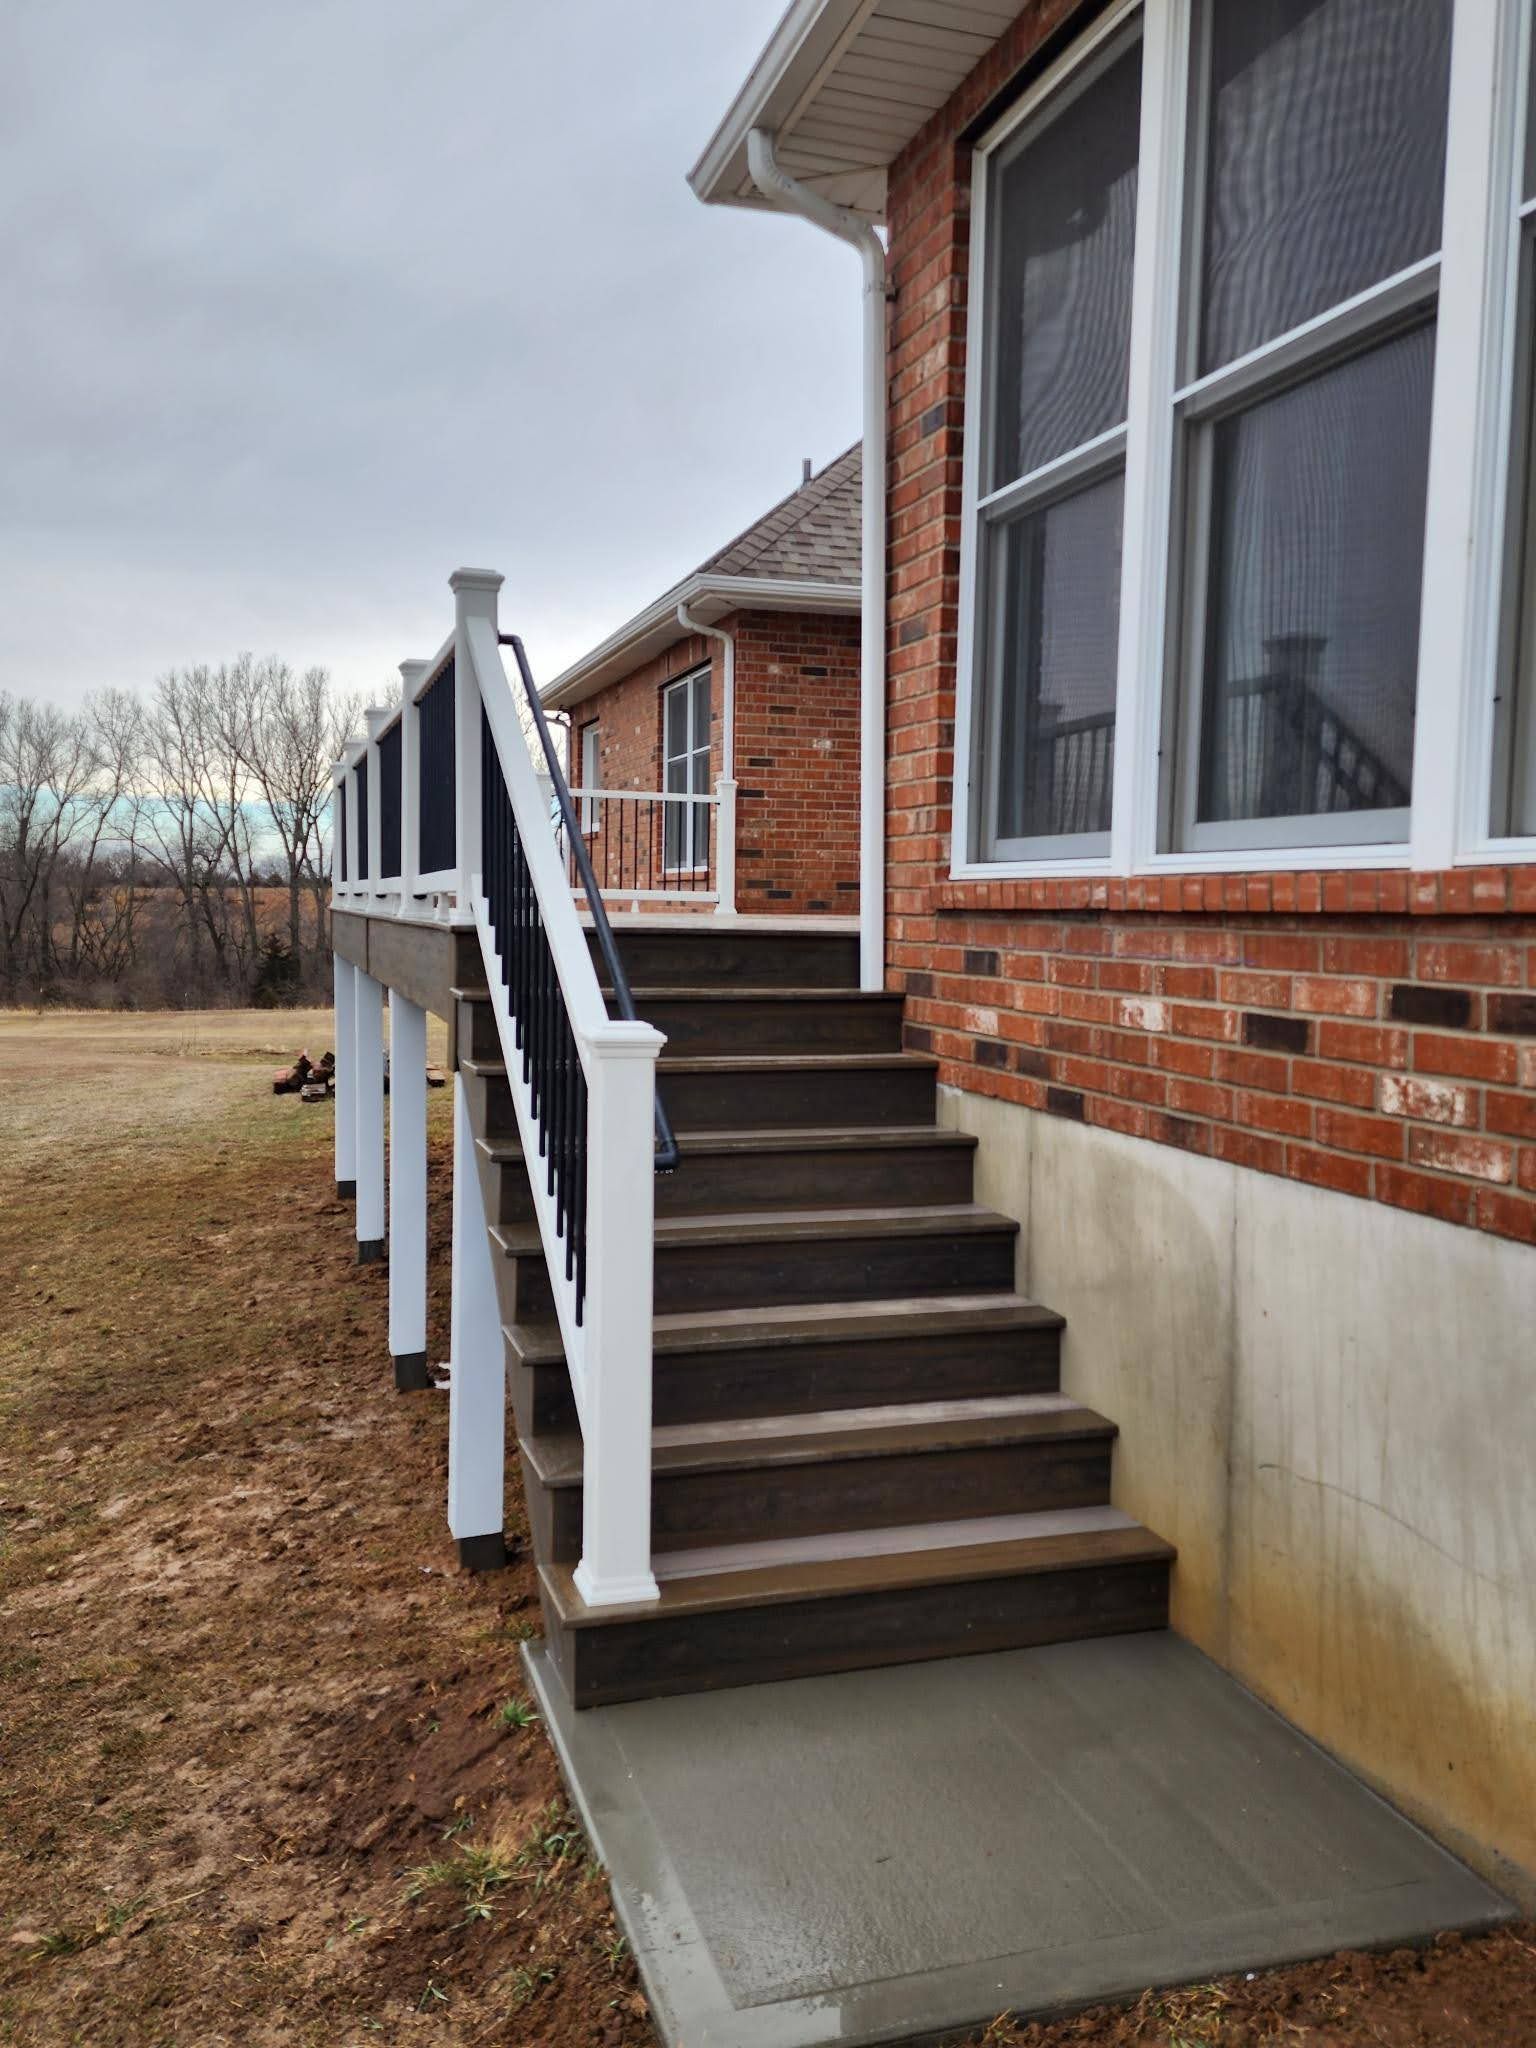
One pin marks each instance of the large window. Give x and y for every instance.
(685, 751)
(1210, 601)
(1317, 149)
(1061, 205)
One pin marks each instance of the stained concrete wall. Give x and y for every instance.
(1330, 1407)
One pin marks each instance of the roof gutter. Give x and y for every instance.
(788, 194)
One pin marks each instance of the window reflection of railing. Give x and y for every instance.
(1277, 748)
(1076, 763)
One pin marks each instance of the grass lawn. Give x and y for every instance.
(269, 1775)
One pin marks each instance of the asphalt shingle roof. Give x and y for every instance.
(811, 536)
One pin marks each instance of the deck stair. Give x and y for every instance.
(861, 1451)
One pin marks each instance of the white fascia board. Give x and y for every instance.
(808, 41)
(709, 598)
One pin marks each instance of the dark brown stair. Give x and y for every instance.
(796, 1255)
(861, 1451)
(788, 1476)
(733, 1618)
(728, 1171)
(709, 954)
(798, 1359)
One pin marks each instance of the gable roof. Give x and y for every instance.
(843, 86)
(801, 556)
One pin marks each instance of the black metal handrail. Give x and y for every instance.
(360, 776)
(623, 1002)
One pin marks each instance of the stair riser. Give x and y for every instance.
(693, 1509)
(887, 1177)
(697, 1025)
(907, 1625)
(478, 1036)
(802, 1379)
(753, 1275)
(713, 957)
(785, 1099)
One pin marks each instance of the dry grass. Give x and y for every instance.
(246, 1691)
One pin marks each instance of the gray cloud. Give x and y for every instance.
(307, 303)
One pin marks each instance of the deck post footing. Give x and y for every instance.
(412, 1373)
(370, 1250)
(482, 1553)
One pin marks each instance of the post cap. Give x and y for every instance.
(476, 579)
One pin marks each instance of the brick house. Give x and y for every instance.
(1209, 806)
(735, 693)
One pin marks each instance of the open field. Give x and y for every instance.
(268, 1775)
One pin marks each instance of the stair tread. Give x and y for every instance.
(772, 1226)
(839, 1434)
(706, 1331)
(710, 1144)
(739, 992)
(870, 1561)
(809, 1062)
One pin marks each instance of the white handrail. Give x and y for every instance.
(607, 1338)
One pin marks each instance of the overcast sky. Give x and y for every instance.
(309, 301)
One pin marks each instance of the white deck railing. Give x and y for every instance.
(582, 1082)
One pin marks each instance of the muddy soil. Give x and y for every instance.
(270, 1772)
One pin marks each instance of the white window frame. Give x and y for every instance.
(589, 774)
(1470, 485)
(696, 826)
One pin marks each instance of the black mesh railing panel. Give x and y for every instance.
(341, 831)
(436, 743)
(362, 820)
(551, 1064)
(389, 803)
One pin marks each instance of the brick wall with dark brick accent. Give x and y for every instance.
(797, 755)
(1369, 1032)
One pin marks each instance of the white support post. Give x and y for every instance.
(474, 601)
(408, 1192)
(346, 1077)
(478, 1376)
(725, 847)
(375, 718)
(411, 675)
(368, 1068)
(615, 1563)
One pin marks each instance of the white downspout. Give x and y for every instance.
(725, 785)
(777, 186)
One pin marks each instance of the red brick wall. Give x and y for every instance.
(1372, 1033)
(797, 754)
(797, 762)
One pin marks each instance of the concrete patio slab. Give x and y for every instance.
(887, 1856)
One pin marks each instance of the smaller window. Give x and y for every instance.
(685, 757)
(590, 772)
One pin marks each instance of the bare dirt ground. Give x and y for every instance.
(269, 1773)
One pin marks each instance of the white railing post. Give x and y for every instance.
(408, 1191)
(354, 881)
(477, 1377)
(474, 602)
(345, 1023)
(376, 717)
(616, 1413)
(368, 1069)
(725, 847)
(338, 776)
(411, 674)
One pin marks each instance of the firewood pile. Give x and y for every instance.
(315, 1080)
(311, 1080)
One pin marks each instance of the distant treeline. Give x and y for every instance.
(170, 849)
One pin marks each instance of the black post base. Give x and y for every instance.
(369, 1250)
(346, 1191)
(483, 1553)
(412, 1373)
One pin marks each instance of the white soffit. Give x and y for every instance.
(844, 85)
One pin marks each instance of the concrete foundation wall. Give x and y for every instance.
(1330, 1407)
